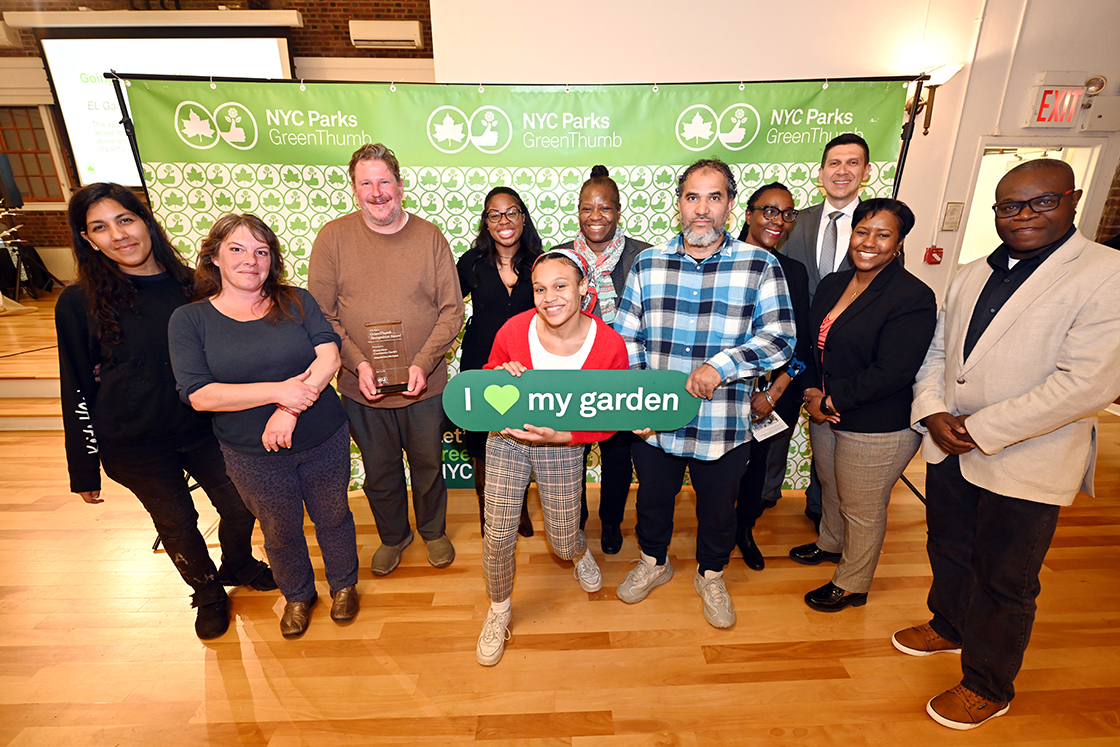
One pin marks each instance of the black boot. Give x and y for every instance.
(480, 488)
(752, 556)
(525, 528)
(212, 619)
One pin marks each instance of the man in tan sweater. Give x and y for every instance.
(382, 265)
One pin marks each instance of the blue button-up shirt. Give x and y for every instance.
(730, 310)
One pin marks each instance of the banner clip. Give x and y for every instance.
(655, 88)
(213, 87)
(481, 89)
(393, 87)
(301, 86)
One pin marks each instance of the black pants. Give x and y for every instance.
(616, 470)
(716, 482)
(763, 478)
(986, 551)
(157, 480)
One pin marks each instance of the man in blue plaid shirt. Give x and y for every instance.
(718, 310)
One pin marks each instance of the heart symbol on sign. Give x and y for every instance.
(501, 398)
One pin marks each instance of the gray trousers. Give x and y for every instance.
(382, 434)
(857, 472)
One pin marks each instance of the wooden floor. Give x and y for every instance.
(97, 645)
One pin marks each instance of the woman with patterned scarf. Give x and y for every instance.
(609, 253)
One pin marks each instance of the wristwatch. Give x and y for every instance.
(825, 408)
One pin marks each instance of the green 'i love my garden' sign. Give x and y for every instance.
(570, 400)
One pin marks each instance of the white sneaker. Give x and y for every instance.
(587, 572)
(643, 579)
(718, 610)
(492, 642)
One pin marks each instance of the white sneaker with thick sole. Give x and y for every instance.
(492, 641)
(587, 573)
(718, 610)
(643, 579)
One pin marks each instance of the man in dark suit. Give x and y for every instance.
(819, 239)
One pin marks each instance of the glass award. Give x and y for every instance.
(386, 355)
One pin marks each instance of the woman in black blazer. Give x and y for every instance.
(871, 327)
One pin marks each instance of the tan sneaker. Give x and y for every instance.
(718, 609)
(922, 640)
(962, 709)
(645, 577)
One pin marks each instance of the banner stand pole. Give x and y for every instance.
(907, 134)
(130, 131)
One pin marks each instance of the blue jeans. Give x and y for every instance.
(716, 482)
(157, 480)
(986, 551)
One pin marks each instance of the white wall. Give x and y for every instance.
(1002, 44)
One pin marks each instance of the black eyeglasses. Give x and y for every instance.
(495, 216)
(770, 212)
(1041, 204)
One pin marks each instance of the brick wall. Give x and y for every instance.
(1110, 219)
(43, 227)
(325, 33)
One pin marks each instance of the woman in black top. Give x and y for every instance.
(120, 408)
(496, 273)
(610, 254)
(871, 327)
(259, 353)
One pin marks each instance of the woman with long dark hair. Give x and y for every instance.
(496, 273)
(120, 407)
(259, 353)
(610, 253)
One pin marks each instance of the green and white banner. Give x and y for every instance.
(280, 149)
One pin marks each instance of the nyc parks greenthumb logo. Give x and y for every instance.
(570, 400)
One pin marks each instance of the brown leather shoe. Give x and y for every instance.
(345, 605)
(923, 640)
(297, 616)
(962, 709)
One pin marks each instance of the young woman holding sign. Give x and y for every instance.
(557, 336)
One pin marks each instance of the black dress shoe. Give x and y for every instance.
(831, 598)
(752, 556)
(815, 517)
(612, 539)
(812, 555)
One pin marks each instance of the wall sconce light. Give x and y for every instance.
(938, 77)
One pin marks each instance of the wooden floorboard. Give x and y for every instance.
(97, 644)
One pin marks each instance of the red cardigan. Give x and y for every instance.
(607, 352)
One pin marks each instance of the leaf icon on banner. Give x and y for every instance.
(243, 176)
(697, 129)
(195, 126)
(449, 130)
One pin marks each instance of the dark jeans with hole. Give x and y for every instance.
(986, 551)
(158, 481)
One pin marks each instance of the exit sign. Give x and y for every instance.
(1055, 106)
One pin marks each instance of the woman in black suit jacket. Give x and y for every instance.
(871, 327)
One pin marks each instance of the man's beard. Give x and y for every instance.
(709, 237)
(388, 220)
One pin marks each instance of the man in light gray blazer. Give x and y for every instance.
(819, 240)
(1026, 353)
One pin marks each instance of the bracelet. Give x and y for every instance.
(288, 410)
(766, 394)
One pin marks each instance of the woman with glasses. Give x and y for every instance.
(870, 327)
(770, 216)
(495, 272)
(609, 253)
